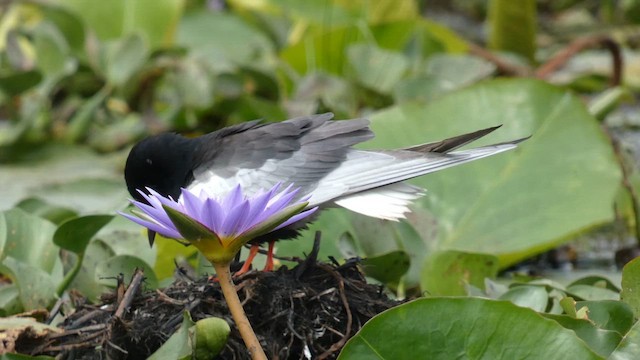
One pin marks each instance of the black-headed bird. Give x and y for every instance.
(314, 153)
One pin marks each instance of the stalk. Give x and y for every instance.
(66, 281)
(237, 312)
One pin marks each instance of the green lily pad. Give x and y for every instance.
(533, 297)
(449, 272)
(36, 287)
(629, 348)
(222, 52)
(125, 57)
(481, 206)
(75, 234)
(55, 214)
(86, 281)
(46, 170)
(472, 328)
(598, 281)
(178, 346)
(10, 300)
(609, 314)
(114, 19)
(107, 270)
(387, 268)
(27, 239)
(631, 285)
(375, 68)
(603, 342)
(588, 292)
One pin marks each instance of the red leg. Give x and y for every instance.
(269, 265)
(247, 263)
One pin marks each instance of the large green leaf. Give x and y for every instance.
(75, 234)
(36, 287)
(500, 205)
(609, 314)
(86, 281)
(39, 207)
(629, 348)
(27, 239)
(52, 51)
(601, 341)
(387, 268)
(470, 328)
(534, 297)
(326, 48)
(125, 237)
(156, 19)
(631, 285)
(125, 57)
(107, 270)
(376, 68)
(46, 170)
(450, 272)
(86, 195)
(222, 52)
(179, 345)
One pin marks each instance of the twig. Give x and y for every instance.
(502, 66)
(89, 328)
(312, 258)
(169, 300)
(55, 310)
(127, 299)
(84, 318)
(560, 59)
(338, 345)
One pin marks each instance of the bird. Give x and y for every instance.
(315, 153)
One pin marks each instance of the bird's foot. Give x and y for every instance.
(247, 264)
(269, 264)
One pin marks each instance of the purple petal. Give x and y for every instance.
(166, 201)
(258, 211)
(296, 218)
(234, 220)
(192, 204)
(282, 200)
(162, 230)
(234, 197)
(212, 215)
(150, 199)
(158, 215)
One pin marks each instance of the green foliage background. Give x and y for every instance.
(81, 81)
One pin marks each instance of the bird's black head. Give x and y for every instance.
(163, 163)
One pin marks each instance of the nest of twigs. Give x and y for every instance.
(308, 312)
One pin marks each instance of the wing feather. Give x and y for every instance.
(316, 154)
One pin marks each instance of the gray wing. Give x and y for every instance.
(316, 154)
(257, 156)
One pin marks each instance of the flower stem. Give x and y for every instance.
(64, 284)
(237, 312)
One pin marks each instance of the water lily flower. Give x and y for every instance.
(219, 226)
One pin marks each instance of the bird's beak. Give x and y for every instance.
(152, 236)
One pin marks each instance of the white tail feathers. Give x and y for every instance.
(388, 202)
